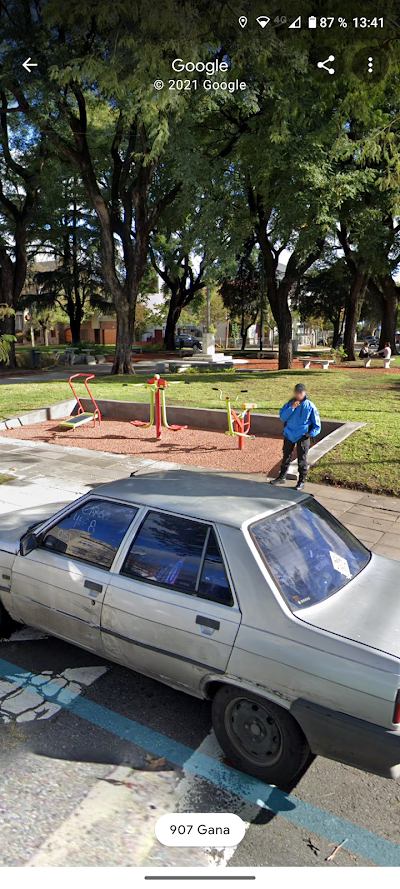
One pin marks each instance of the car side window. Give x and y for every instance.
(181, 553)
(214, 583)
(167, 550)
(92, 533)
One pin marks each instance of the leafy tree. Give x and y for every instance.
(97, 105)
(22, 161)
(323, 294)
(175, 264)
(241, 296)
(217, 309)
(67, 233)
(45, 318)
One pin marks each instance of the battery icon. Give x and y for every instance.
(312, 21)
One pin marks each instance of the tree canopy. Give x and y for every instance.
(109, 173)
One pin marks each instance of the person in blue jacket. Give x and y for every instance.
(301, 423)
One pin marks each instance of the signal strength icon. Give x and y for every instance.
(263, 21)
(296, 23)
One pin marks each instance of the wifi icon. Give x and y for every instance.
(263, 20)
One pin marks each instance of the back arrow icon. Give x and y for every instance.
(28, 65)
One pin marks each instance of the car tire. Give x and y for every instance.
(5, 621)
(258, 737)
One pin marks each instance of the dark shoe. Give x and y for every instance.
(300, 484)
(280, 480)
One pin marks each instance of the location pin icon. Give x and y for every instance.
(242, 21)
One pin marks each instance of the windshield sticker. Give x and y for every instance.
(340, 564)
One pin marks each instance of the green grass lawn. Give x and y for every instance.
(368, 460)
(5, 478)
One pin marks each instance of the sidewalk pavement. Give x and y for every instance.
(59, 373)
(46, 473)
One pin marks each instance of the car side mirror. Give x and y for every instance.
(28, 543)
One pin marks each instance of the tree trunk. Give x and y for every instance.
(123, 349)
(354, 303)
(390, 306)
(12, 277)
(336, 329)
(279, 301)
(174, 312)
(8, 327)
(284, 325)
(75, 325)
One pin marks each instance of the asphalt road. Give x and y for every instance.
(51, 759)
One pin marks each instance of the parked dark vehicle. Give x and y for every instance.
(186, 341)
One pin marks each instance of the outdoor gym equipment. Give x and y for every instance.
(238, 421)
(82, 416)
(158, 408)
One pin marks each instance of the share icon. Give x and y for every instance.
(324, 65)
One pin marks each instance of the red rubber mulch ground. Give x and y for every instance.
(195, 447)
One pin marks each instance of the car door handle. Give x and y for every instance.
(91, 585)
(207, 622)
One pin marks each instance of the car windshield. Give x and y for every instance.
(309, 553)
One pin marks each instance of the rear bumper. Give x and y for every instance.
(346, 739)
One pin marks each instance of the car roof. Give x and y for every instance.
(211, 496)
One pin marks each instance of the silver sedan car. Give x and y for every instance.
(227, 589)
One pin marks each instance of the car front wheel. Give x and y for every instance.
(258, 737)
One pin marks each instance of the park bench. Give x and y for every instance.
(324, 361)
(386, 361)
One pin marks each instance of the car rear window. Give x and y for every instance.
(309, 553)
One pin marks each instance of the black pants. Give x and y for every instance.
(302, 454)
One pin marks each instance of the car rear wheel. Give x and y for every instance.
(7, 624)
(258, 737)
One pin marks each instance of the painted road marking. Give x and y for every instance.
(25, 634)
(120, 813)
(192, 790)
(23, 704)
(361, 842)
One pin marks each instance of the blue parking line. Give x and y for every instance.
(336, 830)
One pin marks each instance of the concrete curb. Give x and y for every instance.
(55, 411)
(324, 445)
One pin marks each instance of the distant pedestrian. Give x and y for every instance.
(365, 351)
(386, 352)
(301, 423)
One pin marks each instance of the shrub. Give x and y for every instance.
(152, 347)
(24, 360)
(207, 369)
(340, 355)
(48, 360)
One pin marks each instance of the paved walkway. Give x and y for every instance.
(51, 376)
(46, 473)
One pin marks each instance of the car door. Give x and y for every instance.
(170, 612)
(60, 585)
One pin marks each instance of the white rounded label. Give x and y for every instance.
(194, 829)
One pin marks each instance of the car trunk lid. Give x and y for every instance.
(366, 610)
